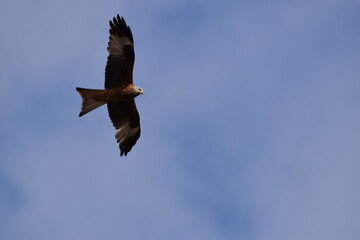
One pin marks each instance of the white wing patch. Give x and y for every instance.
(124, 132)
(116, 44)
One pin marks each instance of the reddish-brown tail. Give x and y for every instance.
(90, 100)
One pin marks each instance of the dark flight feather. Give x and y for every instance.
(120, 62)
(126, 121)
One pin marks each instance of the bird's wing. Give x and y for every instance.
(120, 62)
(126, 121)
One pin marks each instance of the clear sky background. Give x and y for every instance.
(250, 121)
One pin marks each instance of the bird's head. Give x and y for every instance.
(139, 90)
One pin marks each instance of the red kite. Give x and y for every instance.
(119, 90)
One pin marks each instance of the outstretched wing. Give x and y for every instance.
(120, 62)
(126, 121)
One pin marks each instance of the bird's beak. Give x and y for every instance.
(141, 92)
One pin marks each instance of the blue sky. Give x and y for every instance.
(250, 121)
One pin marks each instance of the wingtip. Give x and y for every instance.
(123, 154)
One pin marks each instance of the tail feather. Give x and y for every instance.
(89, 103)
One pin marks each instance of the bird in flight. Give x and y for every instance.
(119, 93)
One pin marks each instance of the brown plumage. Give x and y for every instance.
(119, 90)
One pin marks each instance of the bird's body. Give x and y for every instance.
(119, 92)
(111, 95)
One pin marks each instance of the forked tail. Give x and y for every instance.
(90, 99)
